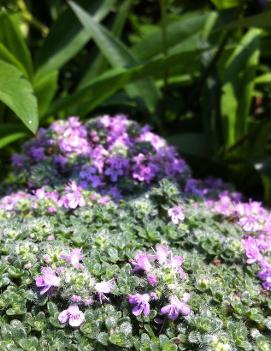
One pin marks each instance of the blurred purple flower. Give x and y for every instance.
(47, 280)
(141, 304)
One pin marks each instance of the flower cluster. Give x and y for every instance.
(66, 276)
(256, 224)
(101, 155)
(165, 281)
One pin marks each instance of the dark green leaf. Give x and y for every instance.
(118, 56)
(98, 90)
(100, 63)
(67, 36)
(184, 32)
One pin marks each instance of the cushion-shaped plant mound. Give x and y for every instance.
(159, 261)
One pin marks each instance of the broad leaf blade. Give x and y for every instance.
(262, 20)
(186, 28)
(12, 39)
(7, 56)
(67, 36)
(118, 56)
(17, 93)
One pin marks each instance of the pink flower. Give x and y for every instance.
(76, 298)
(176, 214)
(73, 198)
(47, 280)
(103, 288)
(72, 315)
(162, 252)
(141, 262)
(74, 257)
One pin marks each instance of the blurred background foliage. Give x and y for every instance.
(198, 71)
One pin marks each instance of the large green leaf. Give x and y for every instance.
(262, 20)
(67, 36)
(98, 90)
(238, 83)
(17, 93)
(11, 38)
(100, 64)
(118, 56)
(184, 32)
(45, 87)
(7, 56)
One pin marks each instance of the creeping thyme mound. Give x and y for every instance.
(108, 243)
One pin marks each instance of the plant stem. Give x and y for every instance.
(164, 36)
(163, 8)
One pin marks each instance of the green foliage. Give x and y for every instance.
(17, 93)
(230, 311)
(198, 71)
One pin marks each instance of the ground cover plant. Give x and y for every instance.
(109, 243)
(198, 71)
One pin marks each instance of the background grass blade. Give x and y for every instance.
(100, 64)
(98, 90)
(238, 82)
(67, 36)
(118, 56)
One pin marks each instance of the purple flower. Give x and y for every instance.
(60, 161)
(252, 251)
(143, 169)
(265, 275)
(176, 308)
(103, 288)
(37, 153)
(74, 257)
(47, 280)
(18, 161)
(72, 315)
(176, 214)
(152, 279)
(141, 304)
(141, 262)
(116, 167)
